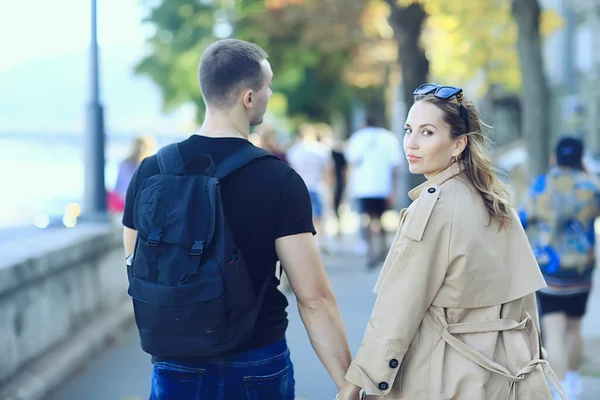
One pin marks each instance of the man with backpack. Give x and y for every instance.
(206, 221)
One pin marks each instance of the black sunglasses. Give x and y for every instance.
(445, 93)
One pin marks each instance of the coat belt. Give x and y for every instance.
(496, 325)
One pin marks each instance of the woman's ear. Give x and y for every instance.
(460, 145)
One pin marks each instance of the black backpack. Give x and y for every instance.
(192, 293)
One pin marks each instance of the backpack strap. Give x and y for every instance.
(240, 158)
(257, 306)
(169, 160)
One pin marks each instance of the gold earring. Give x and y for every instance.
(457, 164)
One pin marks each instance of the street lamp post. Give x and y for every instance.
(95, 191)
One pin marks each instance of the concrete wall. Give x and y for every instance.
(53, 283)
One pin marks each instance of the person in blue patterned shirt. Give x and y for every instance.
(559, 214)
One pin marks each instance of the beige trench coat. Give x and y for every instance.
(455, 316)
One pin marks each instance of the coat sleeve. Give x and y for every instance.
(530, 305)
(410, 285)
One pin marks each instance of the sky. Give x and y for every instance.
(40, 28)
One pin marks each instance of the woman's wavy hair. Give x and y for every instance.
(478, 166)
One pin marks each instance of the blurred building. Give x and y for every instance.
(572, 56)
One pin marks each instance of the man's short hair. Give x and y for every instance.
(569, 152)
(371, 120)
(228, 66)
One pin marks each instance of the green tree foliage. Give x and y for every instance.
(309, 45)
(182, 29)
(326, 54)
(474, 40)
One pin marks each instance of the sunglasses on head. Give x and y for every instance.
(445, 93)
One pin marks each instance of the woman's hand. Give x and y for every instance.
(349, 392)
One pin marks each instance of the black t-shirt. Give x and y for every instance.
(263, 201)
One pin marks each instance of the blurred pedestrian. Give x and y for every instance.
(143, 146)
(340, 169)
(269, 141)
(311, 160)
(374, 157)
(559, 213)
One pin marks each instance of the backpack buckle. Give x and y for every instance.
(154, 237)
(197, 248)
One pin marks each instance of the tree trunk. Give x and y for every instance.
(407, 23)
(535, 93)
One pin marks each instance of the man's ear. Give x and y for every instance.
(248, 99)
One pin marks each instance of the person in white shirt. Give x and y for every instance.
(311, 159)
(374, 156)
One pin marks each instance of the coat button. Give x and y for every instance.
(393, 363)
(383, 386)
(431, 190)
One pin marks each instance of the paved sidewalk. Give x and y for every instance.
(591, 331)
(123, 371)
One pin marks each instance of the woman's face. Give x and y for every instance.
(428, 145)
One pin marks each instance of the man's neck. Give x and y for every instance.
(222, 125)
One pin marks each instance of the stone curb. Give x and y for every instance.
(40, 378)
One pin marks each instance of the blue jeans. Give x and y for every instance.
(266, 373)
(317, 204)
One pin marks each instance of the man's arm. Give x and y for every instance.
(316, 302)
(129, 237)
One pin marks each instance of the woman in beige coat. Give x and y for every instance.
(455, 316)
